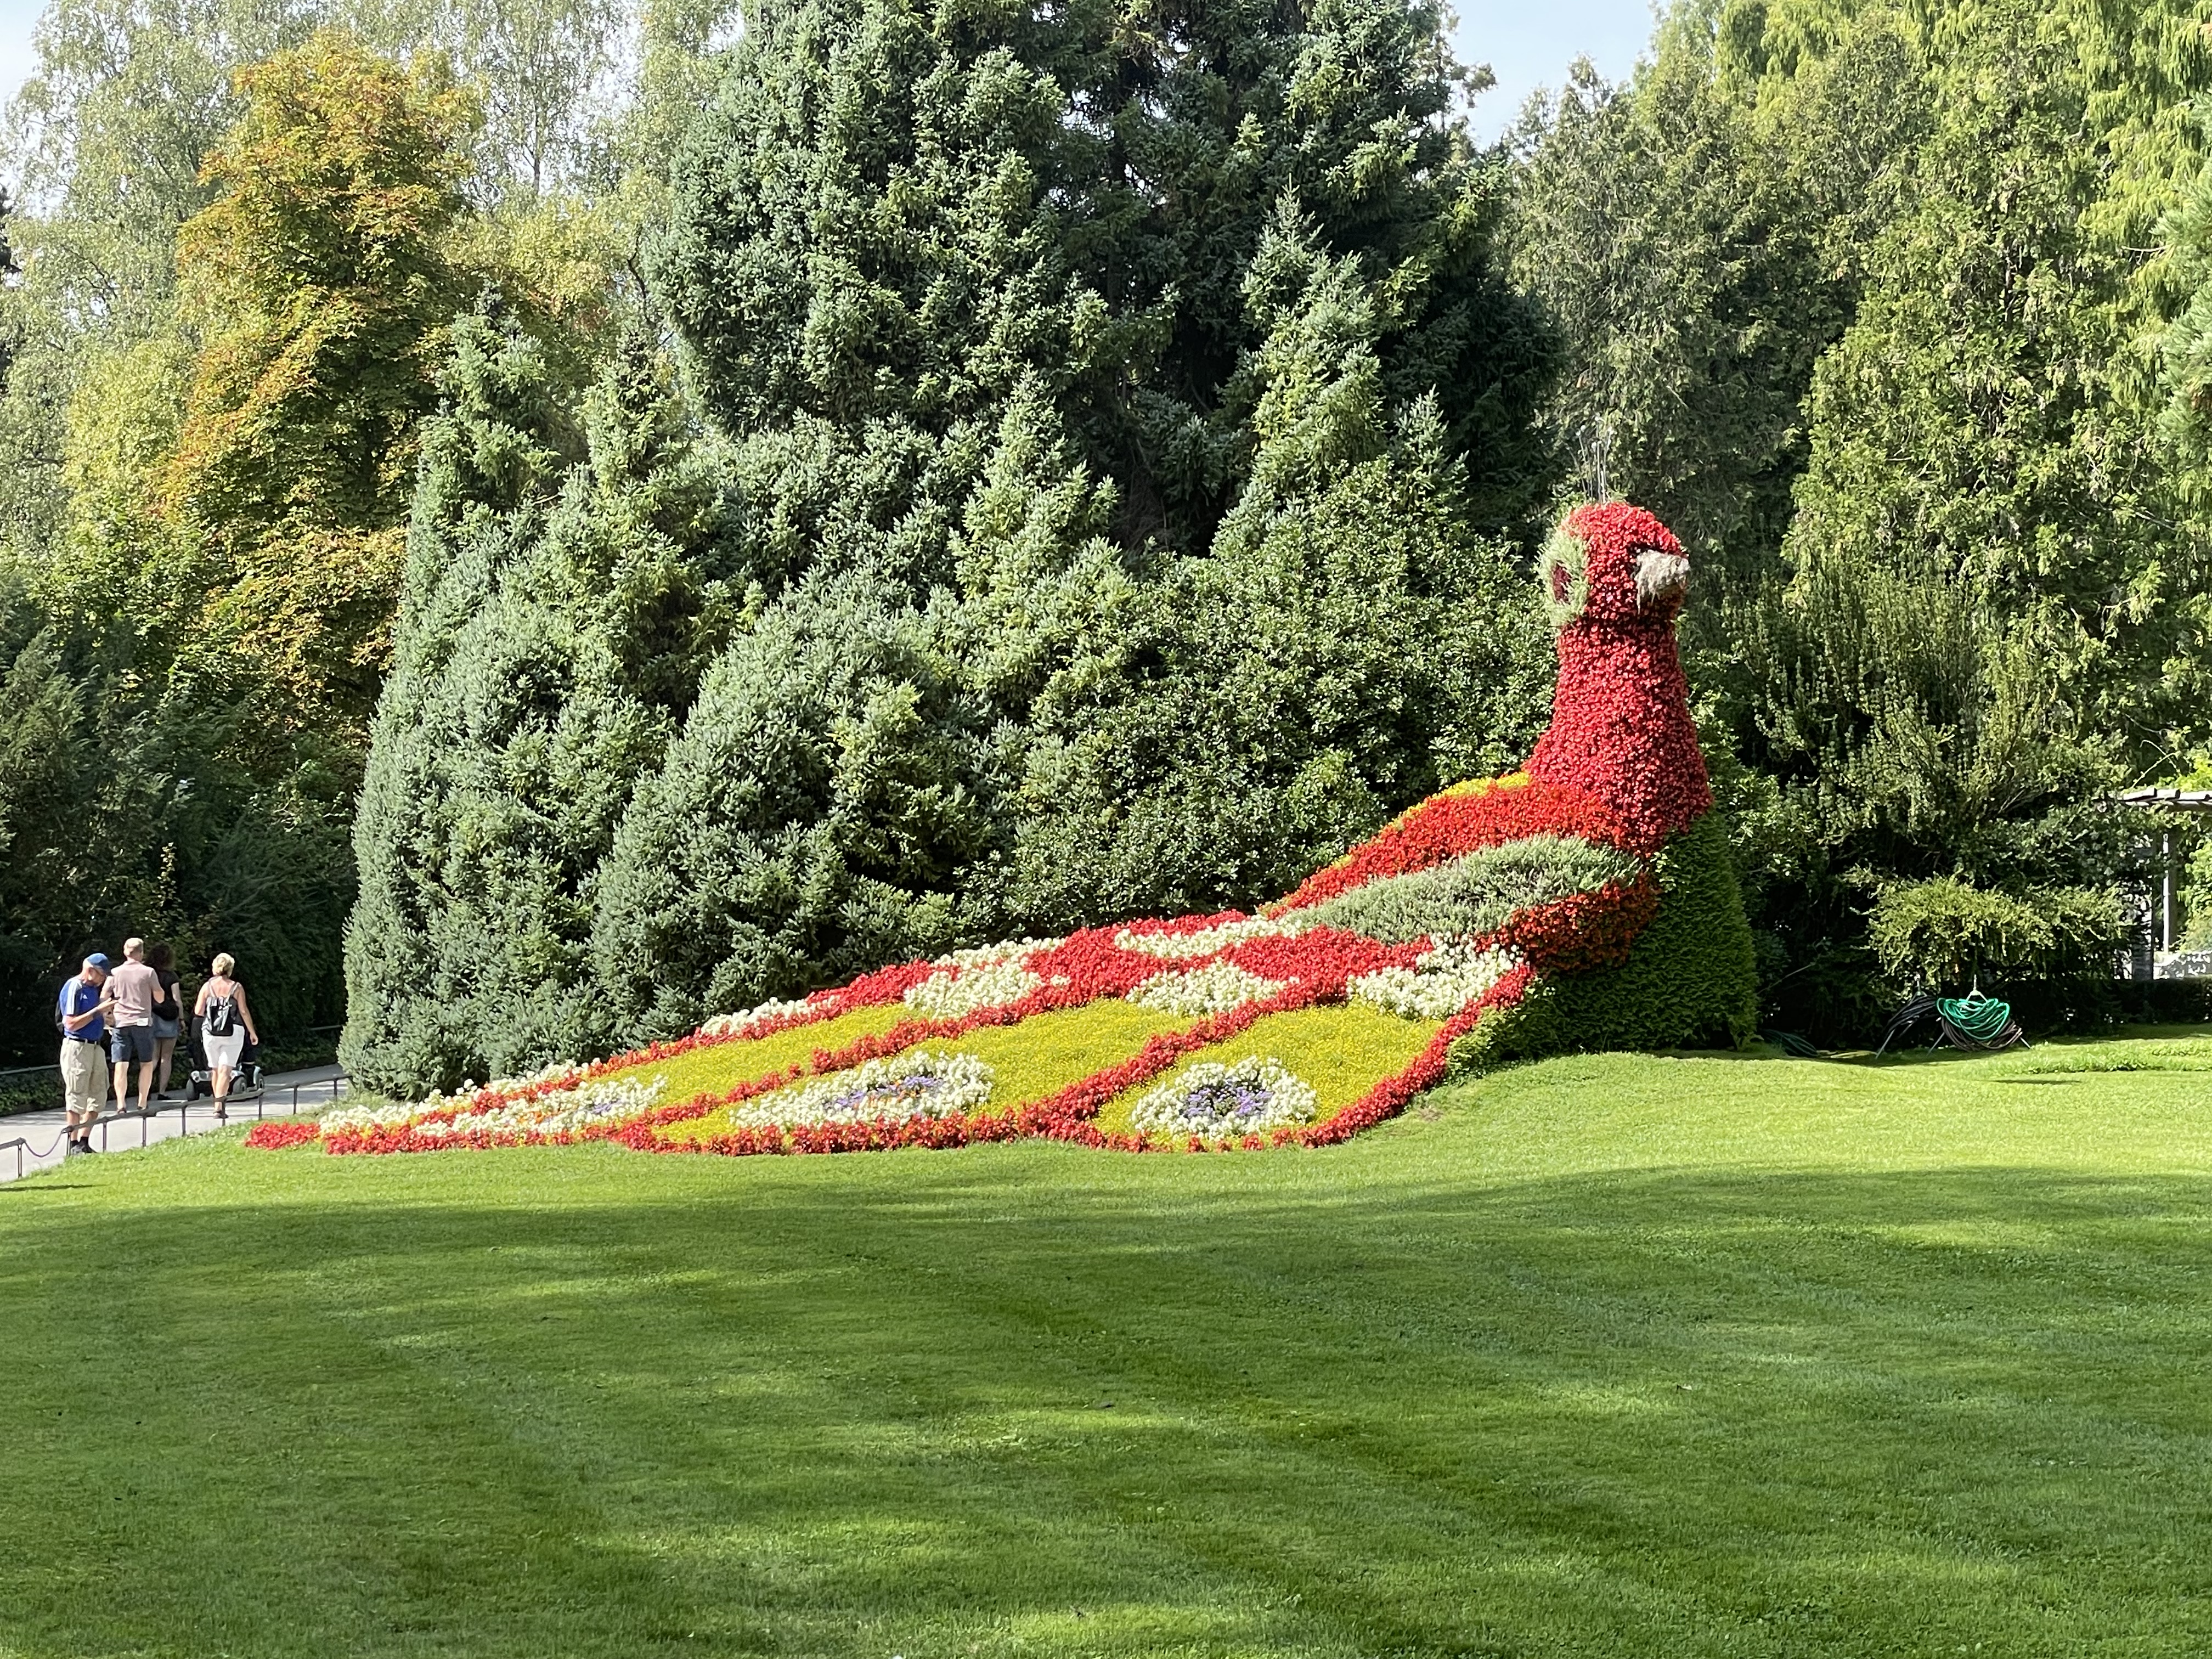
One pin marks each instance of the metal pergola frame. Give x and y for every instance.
(2167, 800)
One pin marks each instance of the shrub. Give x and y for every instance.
(1934, 934)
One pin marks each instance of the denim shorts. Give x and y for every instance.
(165, 1031)
(130, 1045)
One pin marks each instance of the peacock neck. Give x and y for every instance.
(1621, 729)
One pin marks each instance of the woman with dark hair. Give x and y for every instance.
(168, 1014)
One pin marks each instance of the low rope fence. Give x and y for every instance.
(20, 1146)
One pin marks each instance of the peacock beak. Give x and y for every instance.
(1662, 579)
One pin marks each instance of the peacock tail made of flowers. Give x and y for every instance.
(1303, 1023)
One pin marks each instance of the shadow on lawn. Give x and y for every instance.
(863, 1409)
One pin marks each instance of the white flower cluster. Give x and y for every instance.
(1446, 978)
(1215, 1102)
(740, 1024)
(563, 1111)
(918, 1084)
(1213, 989)
(990, 976)
(1179, 947)
(349, 1119)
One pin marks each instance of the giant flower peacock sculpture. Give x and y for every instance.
(1584, 902)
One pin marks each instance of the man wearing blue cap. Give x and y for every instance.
(82, 1008)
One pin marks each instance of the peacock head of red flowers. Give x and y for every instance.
(1612, 562)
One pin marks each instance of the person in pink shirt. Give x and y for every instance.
(135, 988)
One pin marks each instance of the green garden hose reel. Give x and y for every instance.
(1973, 1021)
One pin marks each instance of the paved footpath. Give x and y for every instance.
(280, 1095)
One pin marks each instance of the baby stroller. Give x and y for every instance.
(244, 1082)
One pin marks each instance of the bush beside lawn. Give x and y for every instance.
(1610, 1355)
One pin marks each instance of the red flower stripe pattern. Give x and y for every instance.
(1583, 931)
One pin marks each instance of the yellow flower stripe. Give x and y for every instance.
(1342, 1049)
(1030, 1062)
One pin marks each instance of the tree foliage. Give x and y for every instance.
(205, 637)
(318, 284)
(1870, 299)
(556, 620)
(1122, 427)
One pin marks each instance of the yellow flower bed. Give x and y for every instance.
(723, 1066)
(1342, 1049)
(1038, 1057)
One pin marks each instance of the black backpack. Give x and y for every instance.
(221, 1016)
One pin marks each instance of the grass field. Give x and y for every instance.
(1615, 1356)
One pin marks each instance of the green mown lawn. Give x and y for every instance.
(1618, 1356)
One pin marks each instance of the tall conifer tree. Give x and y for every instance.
(557, 622)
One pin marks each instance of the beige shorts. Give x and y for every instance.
(84, 1077)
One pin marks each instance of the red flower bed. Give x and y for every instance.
(1583, 931)
(273, 1135)
(1325, 958)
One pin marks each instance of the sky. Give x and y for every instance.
(16, 19)
(1527, 45)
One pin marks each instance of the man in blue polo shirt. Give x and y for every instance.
(82, 1006)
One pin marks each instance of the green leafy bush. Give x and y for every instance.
(1933, 935)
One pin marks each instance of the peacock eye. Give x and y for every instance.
(1558, 584)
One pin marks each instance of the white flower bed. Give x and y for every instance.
(742, 1024)
(1217, 1102)
(1213, 989)
(1448, 977)
(1181, 947)
(563, 1111)
(920, 1084)
(989, 976)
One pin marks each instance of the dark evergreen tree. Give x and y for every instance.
(894, 214)
(1350, 642)
(557, 620)
(843, 784)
